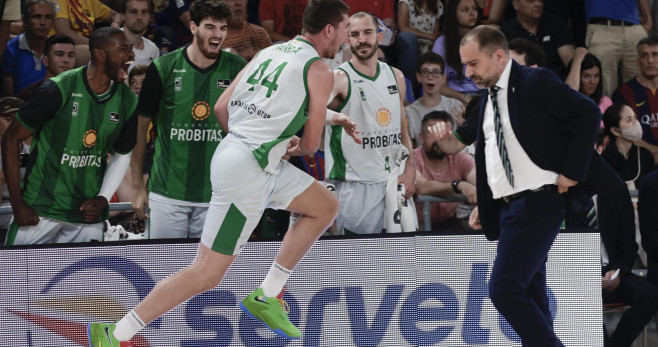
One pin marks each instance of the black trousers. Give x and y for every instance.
(643, 298)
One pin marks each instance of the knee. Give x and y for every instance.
(203, 279)
(499, 292)
(332, 207)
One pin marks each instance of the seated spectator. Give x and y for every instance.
(77, 20)
(546, 29)
(432, 79)
(613, 215)
(647, 205)
(492, 11)
(585, 77)
(614, 28)
(11, 12)
(58, 56)
(461, 16)
(136, 77)
(281, 18)
(137, 14)
(418, 25)
(441, 174)
(638, 92)
(630, 161)
(22, 60)
(245, 38)
(179, 14)
(527, 53)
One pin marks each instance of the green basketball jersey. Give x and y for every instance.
(74, 129)
(180, 97)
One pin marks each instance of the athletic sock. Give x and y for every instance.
(275, 280)
(128, 326)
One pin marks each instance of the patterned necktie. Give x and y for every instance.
(500, 139)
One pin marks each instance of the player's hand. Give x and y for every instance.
(607, 284)
(440, 130)
(140, 201)
(563, 184)
(350, 127)
(293, 148)
(408, 178)
(474, 219)
(92, 208)
(24, 215)
(469, 191)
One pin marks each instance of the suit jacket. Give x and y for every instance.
(555, 125)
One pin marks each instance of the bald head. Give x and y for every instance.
(488, 38)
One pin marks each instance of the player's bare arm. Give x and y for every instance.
(336, 99)
(408, 178)
(319, 74)
(221, 106)
(24, 215)
(140, 198)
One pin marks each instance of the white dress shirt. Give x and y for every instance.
(527, 175)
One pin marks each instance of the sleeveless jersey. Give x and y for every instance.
(373, 103)
(188, 131)
(74, 129)
(270, 103)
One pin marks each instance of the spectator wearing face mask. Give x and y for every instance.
(630, 161)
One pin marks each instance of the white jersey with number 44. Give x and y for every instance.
(270, 103)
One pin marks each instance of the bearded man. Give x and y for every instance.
(371, 93)
(177, 95)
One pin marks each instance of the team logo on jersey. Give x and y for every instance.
(114, 117)
(392, 89)
(89, 139)
(178, 83)
(223, 84)
(57, 6)
(200, 110)
(74, 109)
(383, 117)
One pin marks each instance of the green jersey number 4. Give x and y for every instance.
(269, 81)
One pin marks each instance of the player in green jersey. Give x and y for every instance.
(76, 119)
(247, 178)
(177, 95)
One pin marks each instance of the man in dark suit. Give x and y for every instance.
(535, 141)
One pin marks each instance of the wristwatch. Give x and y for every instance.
(455, 187)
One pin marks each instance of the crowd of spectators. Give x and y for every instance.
(605, 49)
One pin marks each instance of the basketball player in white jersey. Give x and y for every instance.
(284, 88)
(371, 93)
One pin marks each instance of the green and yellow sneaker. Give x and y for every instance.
(101, 335)
(273, 312)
